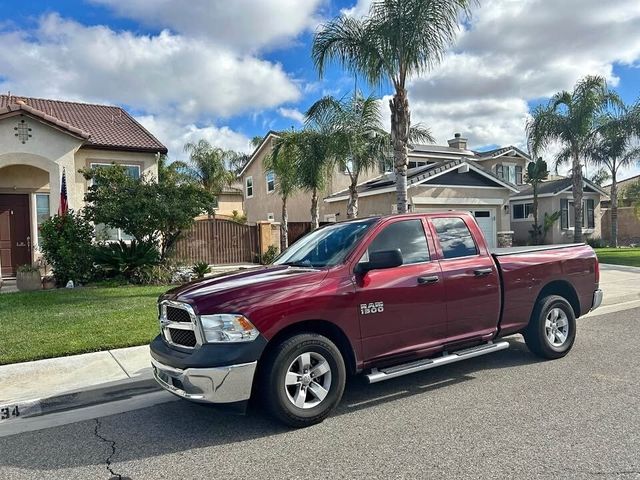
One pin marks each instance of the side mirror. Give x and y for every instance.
(380, 260)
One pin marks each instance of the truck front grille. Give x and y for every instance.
(186, 338)
(178, 324)
(175, 314)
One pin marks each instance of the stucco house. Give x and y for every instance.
(39, 138)
(261, 200)
(451, 177)
(556, 196)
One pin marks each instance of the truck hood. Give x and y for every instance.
(247, 289)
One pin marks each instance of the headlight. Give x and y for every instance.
(227, 328)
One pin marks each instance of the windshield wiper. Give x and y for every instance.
(303, 263)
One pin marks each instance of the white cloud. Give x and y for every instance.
(159, 73)
(175, 135)
(516, 51)
(240, 24)
(360, 9)
(292, 113)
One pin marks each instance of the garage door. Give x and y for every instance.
(486, 223)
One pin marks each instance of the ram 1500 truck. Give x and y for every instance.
(382, 296)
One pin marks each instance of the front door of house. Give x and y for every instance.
(15, 233)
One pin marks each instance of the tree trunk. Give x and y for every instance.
(536, 225)
(400, 123)
(577, 198)
(352, 203)
(314, 209)
(284, 226)
(614, 210)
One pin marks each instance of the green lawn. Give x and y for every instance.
(53, 323)
(619, 256)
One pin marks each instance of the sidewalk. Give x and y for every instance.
(620, 284)
(54, 376)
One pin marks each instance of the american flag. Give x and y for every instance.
(64, 202)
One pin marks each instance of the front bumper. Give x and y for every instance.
(227, 384)
(597, 299)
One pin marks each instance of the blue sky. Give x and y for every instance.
(227, 71)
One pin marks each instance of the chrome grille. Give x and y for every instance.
(178, 324)
(175, 314)
(185, 338)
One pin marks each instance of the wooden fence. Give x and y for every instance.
(217, 241)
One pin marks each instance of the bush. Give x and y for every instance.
(66, 245)
(270, 255)
(132, 261)
(596, 242)
(200, 269)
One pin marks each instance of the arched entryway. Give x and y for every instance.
(25, 202)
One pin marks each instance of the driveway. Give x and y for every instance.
(620, 283)
(505, 415)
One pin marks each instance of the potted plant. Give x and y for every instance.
(28, 278)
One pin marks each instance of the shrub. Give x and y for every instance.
(129, 261)
(200, 269)
(270, 255)
(238, 217)
(66, 245)
(596, 242)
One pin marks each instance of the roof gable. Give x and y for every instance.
(271, 134)
(103, 126)
(501, 152)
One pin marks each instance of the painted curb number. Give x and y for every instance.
(7, 413)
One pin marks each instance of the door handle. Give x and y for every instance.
(428, 280)
(481, 272)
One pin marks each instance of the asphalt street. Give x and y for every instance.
(505, 415)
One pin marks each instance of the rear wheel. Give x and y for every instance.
(552, 329)
(303, 380)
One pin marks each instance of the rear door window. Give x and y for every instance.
(408, 236)
(455, 238)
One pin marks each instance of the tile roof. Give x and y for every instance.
(554, 187)
(102, 126)
(417, 175)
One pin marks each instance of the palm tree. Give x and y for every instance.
(358, 139)
(208, 166)
(397, 40)
(571, 118)
(537, 172)
(314, 165)
(616, 147)
(283, 162)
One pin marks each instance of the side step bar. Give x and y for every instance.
(419, 365)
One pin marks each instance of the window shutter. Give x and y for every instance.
(564, 213)
(518, 175)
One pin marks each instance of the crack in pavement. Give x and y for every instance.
(115, 476)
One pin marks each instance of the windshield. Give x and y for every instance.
(326, 246)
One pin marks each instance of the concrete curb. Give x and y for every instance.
(95, 395)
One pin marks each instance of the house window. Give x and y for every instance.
(271, 181)
(104, 232)
(510, 173)
(42, 208)
(249, 187)
(567, 213)
(521, 211)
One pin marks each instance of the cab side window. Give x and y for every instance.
(408, 236)
(454, 237)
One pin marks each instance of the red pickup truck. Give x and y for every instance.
(383, 296)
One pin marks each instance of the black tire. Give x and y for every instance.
(536, 335)
(275, 394)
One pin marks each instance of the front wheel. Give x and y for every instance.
(303, 380)
(552, 329)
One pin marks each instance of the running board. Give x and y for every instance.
(419, 365)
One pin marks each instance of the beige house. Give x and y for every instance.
(450, 177)
(39, 139)
(262, 201)
(556, 196)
